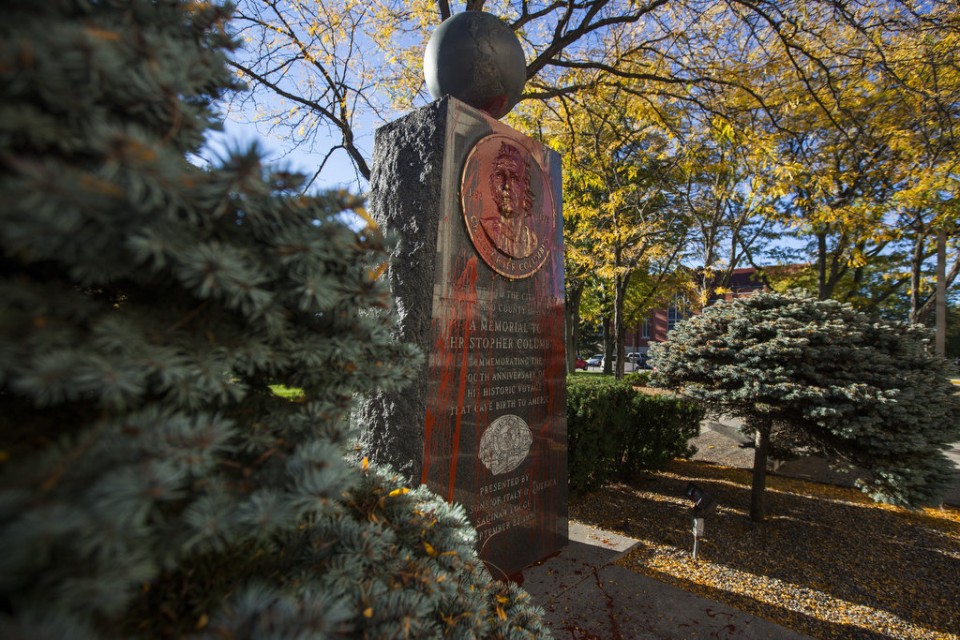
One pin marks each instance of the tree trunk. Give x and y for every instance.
(823, 292)
(760, 471)
(916, 275)
(619, 329)
(941, 315)
(607, 347)
(571, 315)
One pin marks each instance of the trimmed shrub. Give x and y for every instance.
(823, 377)
(638, 378)
(614, 431)
(660, 428)
(596, 419)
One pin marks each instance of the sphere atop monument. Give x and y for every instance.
(475, 57)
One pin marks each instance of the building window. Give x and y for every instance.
(645, 330)
(678, 311)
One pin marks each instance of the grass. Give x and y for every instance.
(290, 393)
(828, 562)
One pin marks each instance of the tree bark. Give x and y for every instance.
(607, 346)
(822, 291)
(916, 275)
(619, 328)
(941, 315)
(572, 321)
(757, 510)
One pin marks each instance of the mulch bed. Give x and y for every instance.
(827, 562)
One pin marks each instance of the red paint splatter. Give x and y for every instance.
(463, 298)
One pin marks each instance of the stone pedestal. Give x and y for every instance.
(478, 278)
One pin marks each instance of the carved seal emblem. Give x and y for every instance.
(505, 444)
(507, 206)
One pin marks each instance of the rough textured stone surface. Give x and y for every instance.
(405, 194)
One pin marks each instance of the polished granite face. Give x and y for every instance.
(486, 425)
(495, 426)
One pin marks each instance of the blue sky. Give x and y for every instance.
(339, 173)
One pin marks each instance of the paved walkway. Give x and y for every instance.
(588, 597)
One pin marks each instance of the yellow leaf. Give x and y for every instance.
(362, 212)
(368, 612)
(103, 34)
(378, 271)
(503, 599)
(202, 622)
(501, 613)
(365, 463)
(430, 550)
(399, 492)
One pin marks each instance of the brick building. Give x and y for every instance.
(743, 282)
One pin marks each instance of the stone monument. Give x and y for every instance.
(477, 273)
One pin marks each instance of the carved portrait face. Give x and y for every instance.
(508, 205)
(510, 183)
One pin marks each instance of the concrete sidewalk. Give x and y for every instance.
(586, 596)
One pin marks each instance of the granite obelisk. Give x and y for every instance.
(477, 273)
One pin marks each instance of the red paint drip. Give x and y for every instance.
(443, 393)
(453, 328)
(465, 301)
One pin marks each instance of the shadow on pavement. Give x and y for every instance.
(854, 553)
(586, 596)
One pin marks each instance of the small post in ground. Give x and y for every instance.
(703, 503)
(697, 532)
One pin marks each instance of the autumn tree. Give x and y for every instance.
(620, 173)
(325, 69)
(868, 175)
(840, 186)
(841, 112)
(338, 67)
(927, 201)
(729, 196)
(817, 376)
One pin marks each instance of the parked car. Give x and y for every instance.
(581, 363)
(595, 361)
(628, 366)
(639, 359)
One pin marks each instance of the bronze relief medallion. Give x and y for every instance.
(505, 444)
(507, 206)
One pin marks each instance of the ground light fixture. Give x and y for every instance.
(703, 504)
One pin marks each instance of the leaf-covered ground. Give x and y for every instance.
(828, 562)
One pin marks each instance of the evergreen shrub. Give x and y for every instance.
(824, 378)
(638, 378)
(615, 431)
(660, 430)
(152, 484)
